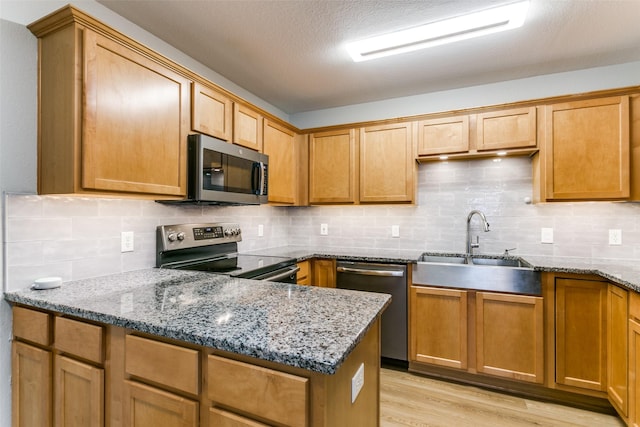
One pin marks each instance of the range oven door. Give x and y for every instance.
(284, 275)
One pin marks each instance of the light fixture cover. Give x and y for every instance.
(463, 27)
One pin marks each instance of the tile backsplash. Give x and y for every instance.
(75, 237)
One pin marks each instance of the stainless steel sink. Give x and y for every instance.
(511, 275)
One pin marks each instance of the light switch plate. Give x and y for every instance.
(126, 241)
(324, 229)
(615, 237)
(357, 382)
(546, 235)
(395, 231)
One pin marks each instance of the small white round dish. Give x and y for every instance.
(47, 283)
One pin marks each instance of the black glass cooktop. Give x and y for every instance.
(240, 265)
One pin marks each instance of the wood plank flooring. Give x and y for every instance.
(413, 400)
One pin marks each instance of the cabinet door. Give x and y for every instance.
(148, 406)
(387, 165)
(30, 386)
(438, 326)
(279, 145)
(304, 275)
(136, 116)
(79, 394)
(247, 127)
(617, 352)
(587, 149)
(221, 418)
(634, 373)
(443, 136)
(580, 333)
(211, 112)
(515, 128)
(324, 273)
(333, 167)
(509, 334)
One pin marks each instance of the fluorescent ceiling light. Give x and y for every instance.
(464, 27)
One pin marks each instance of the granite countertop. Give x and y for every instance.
(624, 273)
(302, 326)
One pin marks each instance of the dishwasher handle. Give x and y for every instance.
(366, 272)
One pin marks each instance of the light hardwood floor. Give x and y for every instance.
(413, 400)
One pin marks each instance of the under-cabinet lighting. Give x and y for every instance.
(437, 33)
(501, 153)
(444, 157)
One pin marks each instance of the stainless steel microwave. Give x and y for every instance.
(222, 173)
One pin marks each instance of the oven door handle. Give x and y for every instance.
(277, 277)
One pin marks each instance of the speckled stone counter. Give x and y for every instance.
(301, 326)
(626, 274)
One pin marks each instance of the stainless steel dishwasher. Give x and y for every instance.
(383, 278)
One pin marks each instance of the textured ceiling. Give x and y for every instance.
(291, 53)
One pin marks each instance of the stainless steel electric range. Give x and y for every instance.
(213, 247)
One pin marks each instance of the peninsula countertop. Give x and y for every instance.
(302, 326)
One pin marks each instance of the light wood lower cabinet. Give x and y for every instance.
(617, 351)
(324, 273)
(78, 393)
(438, 327)
(509, 336)
(304, 274)
(221, 418)
(30, 386)
(149, 406)
(580, 326)
(634, 373)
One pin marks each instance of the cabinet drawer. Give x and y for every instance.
(303, 274)
(80, 339)
(282, 398)
(220, 418)
(162, 363)
(634, 305)
(31, 325)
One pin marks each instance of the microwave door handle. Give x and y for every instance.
(261, 176)
(255, 178)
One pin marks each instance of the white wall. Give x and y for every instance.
(447, 191)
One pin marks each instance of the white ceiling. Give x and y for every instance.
(290, 52)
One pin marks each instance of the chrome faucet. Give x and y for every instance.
(485, 225)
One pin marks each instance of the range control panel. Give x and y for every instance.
(182, 236)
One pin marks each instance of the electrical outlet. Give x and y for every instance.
(260, 230)
(126, 241)
(615, 237)
(324, 229)
(357, 382)
(546, 235)
(395, 231)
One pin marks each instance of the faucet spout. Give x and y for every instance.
(485, 227)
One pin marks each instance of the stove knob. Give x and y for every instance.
(238, 231)
(172, 237)
(228, 232)
(181, 236)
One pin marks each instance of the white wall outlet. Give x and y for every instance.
(546, 235)
(324, 229)
(357, 382)
(126, 241)
(395, 231)
(260, 230)
(615, 237)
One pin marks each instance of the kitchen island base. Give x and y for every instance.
(143, 379)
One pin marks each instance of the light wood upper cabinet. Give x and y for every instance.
(288, 160)
(247, 127)
(211, 112)
(111, 119)
(443, 136)
(333, 167)
(387, 166)
(509, 336)
(438, 327)
(504, 129)
(580, 330)
(586, 151)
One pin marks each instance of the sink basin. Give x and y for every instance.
(511, 275)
